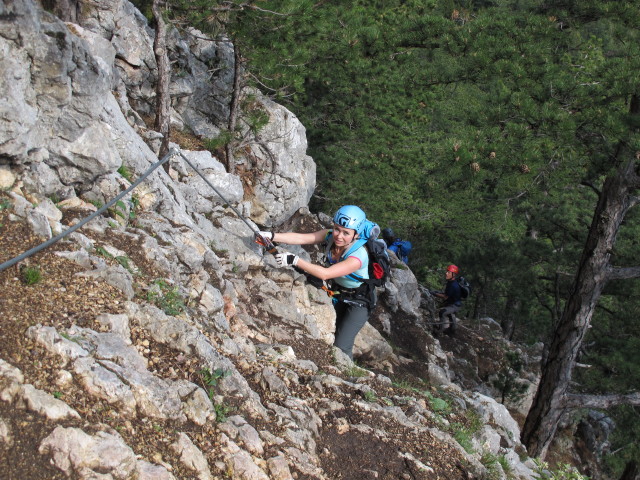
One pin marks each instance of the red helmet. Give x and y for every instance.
(452, 269)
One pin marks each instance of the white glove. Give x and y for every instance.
(267, 235)
(285, 259)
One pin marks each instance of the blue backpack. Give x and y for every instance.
(402, 249)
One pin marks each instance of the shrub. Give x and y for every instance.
(31, 275)
(166, 297)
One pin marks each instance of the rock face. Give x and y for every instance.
(82, 91)
(200, 358)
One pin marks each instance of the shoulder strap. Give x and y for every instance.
(356, 245)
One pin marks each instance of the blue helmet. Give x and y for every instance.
(350, 216)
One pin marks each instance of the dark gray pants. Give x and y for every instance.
(448, 317)
(349, 321)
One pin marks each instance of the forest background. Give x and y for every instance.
(481, 131)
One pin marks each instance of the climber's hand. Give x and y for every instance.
(263, 238)
(286, 259)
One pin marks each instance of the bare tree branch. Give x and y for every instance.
(600, 401)
(623, 273)
(591, 186)
(163, 100)
(233, 107)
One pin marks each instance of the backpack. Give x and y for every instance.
(465, 287)
(404, 249)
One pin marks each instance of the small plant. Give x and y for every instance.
(103, 252)
(493, 466)
(438, 405)
(257, 119)
(135, 203)
(5, 204)
(211, 379)
(125, 262)
(507, 380)
(119, 210)
(96, 203)
(506, 466)
(166, 297)
(222, 140)
(222, 410)
(57, 395)
(462, 436)
(355, 371)
(564, 472)
(70, 338)
(31, 275)
(157, 428)
(124, 171)
(474, 421)
(370, 396)
(403, 384)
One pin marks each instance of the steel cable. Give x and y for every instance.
(85, 220)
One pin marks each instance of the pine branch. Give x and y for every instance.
(623, 273)
(601, 401)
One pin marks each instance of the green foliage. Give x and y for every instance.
(103, 251)
(135, 203)
(70, 338)
(5, 204)
(438, 405)
(222, 411)
(493, 465)
(166, 297)
(254, 115)
(462, 435)
(564, 472)
(119, 210)
(482, 136)
(355, 371)
(624, 441)
(507, 379)
(125, 173)
(222, 140)
(211, 379)
(31, 275)
(370, 396)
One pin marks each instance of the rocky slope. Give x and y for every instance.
(156, 341)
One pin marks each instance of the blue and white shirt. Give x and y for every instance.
(363, 272)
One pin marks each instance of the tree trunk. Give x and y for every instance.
(631, 471)
(592, 275)
(508, 323)
(162, 122)
(233, 107)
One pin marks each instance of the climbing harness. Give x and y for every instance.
(330, 292)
